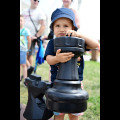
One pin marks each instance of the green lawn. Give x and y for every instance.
(91, 85)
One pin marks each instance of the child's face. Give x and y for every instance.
(61, 26)
(21, 21)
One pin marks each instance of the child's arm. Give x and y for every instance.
(60, 57)
(90, 43)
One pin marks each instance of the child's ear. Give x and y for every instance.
(73, 28)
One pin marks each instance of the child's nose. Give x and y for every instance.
(62, 29)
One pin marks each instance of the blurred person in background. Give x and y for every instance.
(35, 21)
(25, 43)
(67, 4)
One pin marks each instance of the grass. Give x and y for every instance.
(91, 85)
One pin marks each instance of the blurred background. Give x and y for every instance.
(89, 12)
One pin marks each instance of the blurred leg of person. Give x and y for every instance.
(27, 63)
(24, 65)
(23, 57)
(22, 109)
(30, 59)
(24, 70)
(29, 68)
(31, 53)
(20, 73)
(59, 117)
(36, 48)
(73, 117)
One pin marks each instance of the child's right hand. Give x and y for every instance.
(33, 38)
(63, 57)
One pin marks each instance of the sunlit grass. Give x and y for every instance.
(91, 85)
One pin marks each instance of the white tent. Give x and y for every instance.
(90, 18)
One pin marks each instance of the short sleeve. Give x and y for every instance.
(27, 32)
(50, 49)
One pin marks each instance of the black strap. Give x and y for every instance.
(32, 21)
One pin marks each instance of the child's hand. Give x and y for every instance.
(33, 38)
(72, 33)
(63, 57)
(78, 59)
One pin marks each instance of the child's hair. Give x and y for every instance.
(63, 13)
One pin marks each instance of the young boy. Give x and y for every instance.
(25, 42)
(63, 24)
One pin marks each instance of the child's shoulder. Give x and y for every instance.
(26, 30)
(51, 42)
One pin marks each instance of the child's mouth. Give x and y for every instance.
(62, 34)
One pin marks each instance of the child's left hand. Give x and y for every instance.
(78, 59)
(71, 33)
(75, 34)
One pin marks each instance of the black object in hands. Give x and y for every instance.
(66, 95)
(36, 108)
(30, 70)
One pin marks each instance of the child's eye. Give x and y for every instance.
(57, 25)
(66, 26)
